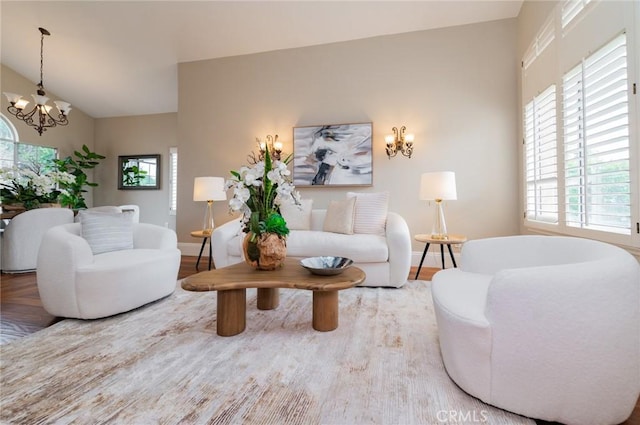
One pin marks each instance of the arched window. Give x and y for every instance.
(8, 140)
(14, 153)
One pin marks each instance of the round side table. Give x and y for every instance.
(428, 239)
(204, 235)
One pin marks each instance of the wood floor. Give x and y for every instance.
(20, 303)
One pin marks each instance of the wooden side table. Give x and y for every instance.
(202, 234)
(428, 239)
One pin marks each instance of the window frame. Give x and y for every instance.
(15, 140)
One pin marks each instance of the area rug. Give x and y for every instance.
(165, 364)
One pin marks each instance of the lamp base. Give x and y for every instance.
(439, 231)
(207, 227)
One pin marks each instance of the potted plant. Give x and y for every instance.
(258, 192)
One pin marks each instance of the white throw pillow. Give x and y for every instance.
(371, 212)
(298, 217)
(340, 216)
(107, 232)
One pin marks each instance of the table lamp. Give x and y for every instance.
(208, 189)
(438, 186)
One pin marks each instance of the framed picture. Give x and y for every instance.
(137, 172)
(333, 155)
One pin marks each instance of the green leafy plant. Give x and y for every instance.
(132, 175)
(85, 160)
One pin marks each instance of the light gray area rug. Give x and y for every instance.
(165, 364)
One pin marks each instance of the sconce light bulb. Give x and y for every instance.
(409, 138)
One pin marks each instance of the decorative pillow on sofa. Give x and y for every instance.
(298, 217)
(371, 212)
(107, 232)
(340, 216)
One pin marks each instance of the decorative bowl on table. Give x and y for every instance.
(326, 266)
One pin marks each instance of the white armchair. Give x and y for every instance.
(115, 209)
(548, 327)
(22, 236)
(73, 282)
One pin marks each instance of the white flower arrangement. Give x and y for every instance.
(258, 192)
(30, 188)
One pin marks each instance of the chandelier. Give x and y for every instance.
(40, 116)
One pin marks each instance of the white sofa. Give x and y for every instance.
(547, 327)
(21, 238)
(73, 282)
(386, 260)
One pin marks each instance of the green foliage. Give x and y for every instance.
(84, 160)
(275, 224)
(133, 175)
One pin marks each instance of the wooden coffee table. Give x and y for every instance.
(232, 282)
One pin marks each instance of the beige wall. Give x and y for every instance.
(136, 135)
(454, 88)
(71, 137)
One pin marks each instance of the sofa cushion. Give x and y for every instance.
(371, 212)
(340, 217)
(107, 232)
(298, 217)
(312, 243)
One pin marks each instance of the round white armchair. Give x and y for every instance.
(73, 282)
(547, 327)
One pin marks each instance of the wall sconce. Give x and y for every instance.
(275, 147)
(399, 142)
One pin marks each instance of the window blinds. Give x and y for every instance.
(596, 141)
(541, 157)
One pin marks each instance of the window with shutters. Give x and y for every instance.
(173, 180)
(596, 141)
(571, 9)
(542, 40)
(541, 159)
(581, 140)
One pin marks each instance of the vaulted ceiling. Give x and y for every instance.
(118, 58)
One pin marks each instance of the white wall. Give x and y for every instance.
(454, 88)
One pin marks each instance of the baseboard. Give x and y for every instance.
(193, 249)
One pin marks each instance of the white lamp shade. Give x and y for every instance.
(438, 185)
(63, 107)
(40, 100)
(209, 189)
